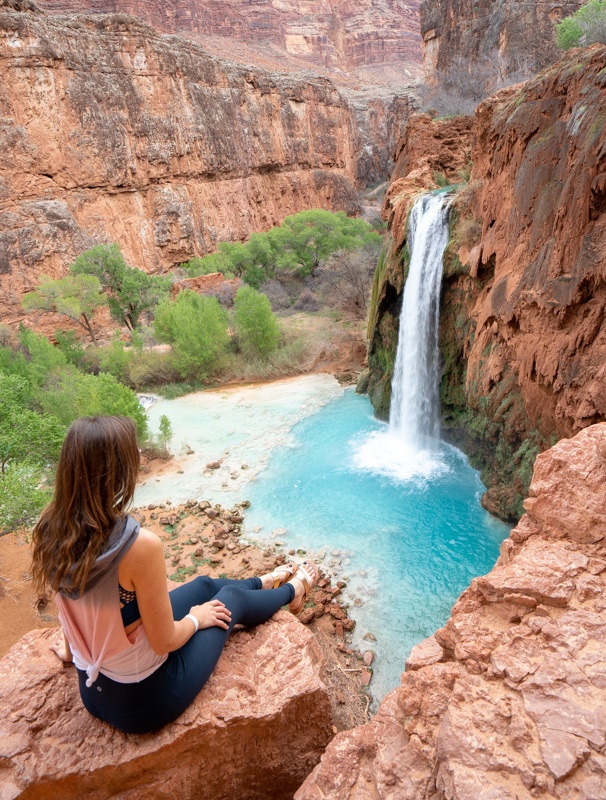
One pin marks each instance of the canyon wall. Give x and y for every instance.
(110, 131)
(473, 47)
(340, 34)
(508, 699)
(523, 331)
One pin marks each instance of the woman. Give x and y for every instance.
(142, 653)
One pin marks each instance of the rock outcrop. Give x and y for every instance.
(255, 731)
(112, 132)
(508, 700)
(334, 33)
(473, 47)
(522, 330)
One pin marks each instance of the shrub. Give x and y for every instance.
(71, 394)
(256, 326)
(196, 327)
(586, 26)
(22, 496)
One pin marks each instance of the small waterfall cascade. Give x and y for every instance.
(415, 404)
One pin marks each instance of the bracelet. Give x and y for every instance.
(194, 620)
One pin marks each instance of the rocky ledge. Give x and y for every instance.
(255, 731)
(508, 700)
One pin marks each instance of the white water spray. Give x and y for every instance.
(415, 402)
(409, 447)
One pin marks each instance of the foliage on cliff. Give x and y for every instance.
(586, 26)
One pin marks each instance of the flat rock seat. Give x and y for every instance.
(255, 731)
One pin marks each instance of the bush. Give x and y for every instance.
(256, 326)
(196, 327)
(22, 496)
(71, 394)
(25, 435)
(586, 26)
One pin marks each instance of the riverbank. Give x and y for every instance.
(203, 539)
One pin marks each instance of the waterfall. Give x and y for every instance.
(415, 404)
(409, 450)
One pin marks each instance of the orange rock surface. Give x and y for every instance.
(112, 132)
(473, 47)
(338, 33)
(508, 700)
(256, 729)
(540, 159)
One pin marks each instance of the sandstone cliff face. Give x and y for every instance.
(111, 132)
(522, 333)
(472, 47)
(508, 700)
(255, 730)
(334, 33)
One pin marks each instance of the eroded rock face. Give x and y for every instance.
(255, 731)
(508, 700)
(473, 47)
(112, 132)
(336, 33)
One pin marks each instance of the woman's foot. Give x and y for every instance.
(304, 580)
(279, 576)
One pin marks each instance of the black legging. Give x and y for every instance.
(159, 699)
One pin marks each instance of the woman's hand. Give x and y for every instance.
(211, 614)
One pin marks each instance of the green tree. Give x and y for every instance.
(71, 347)
(310, 236)
(72, 394)
(23, 494)
(130, 291)
(76, 297)
(25, 435)
(256, 325)
(196, 327)
(586, 26)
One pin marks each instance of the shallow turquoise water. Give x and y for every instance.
(410, 539)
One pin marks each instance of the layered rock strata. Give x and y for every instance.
(522, 329)
(112, 132)
(334, 33)
(508, 700)
(473, 47)
(256, 730)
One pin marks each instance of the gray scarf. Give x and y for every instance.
(118, 544)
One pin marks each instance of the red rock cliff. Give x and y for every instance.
(473, 47)
(334, 33)
(111, 131)
(508, 700)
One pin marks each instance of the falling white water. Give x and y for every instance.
(409, 448)
(415, 400)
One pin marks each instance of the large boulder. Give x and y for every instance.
(255, 731)
(508, 700)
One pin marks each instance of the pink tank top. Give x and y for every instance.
(93, 626)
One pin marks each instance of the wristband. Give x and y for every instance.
(194, 620)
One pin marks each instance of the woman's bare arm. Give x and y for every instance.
(145, 567)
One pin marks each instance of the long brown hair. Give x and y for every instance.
(94, 485)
